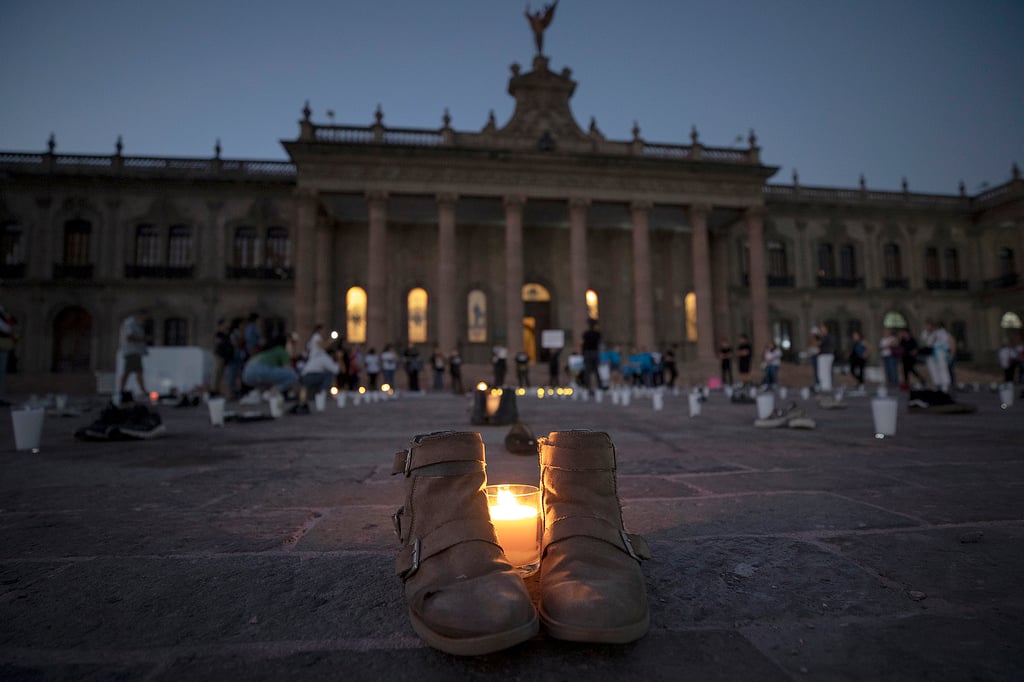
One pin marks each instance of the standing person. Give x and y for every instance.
(413, 365)
(858, 357)
(1008, 361)
(455, 369)
(133, 347)
(951, 361)
(523, 369)
(889, 349)
(234, 370)
(499, 359)
(743, 355)
(668, 363)
(389, 364)
(554, 371)
(826, 357)
(909, 347)
(7, 340)
(937, 361)
(725, 356)
(223, 354)
(317, 376)
(591, 353)
(253, 338)
(437, 363)
(772, 361)
(372, 364)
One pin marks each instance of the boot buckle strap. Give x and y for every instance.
(414, 561)
(396, 521)
(402, 463)
(641, 551)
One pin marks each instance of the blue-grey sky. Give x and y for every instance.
(928, 89)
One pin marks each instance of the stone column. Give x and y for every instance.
(447, 249)
(760, 332)
(578, 264)
(324, 276)
(643, 308)
(305, 245)
(378, 319)
(702, 283)
(513, 272)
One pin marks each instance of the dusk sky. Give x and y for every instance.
(928, 89)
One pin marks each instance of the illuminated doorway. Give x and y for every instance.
(536, 318)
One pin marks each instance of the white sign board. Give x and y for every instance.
(552, 338)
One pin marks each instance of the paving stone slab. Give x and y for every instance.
(818, 478)
(755, 514)
(921, 647)
(953, 503)
(366, 527)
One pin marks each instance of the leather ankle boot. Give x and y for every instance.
(464, 597)
(592, 588)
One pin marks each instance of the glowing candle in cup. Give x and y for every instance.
(515, 513)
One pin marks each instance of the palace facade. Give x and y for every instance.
(472, 238)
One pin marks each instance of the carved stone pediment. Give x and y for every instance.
(542, 114)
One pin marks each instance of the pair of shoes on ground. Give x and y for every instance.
(133, 421)
(463, 595)
(791, 417)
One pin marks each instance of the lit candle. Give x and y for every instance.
(515, 513)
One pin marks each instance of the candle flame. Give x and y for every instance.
(509, 509)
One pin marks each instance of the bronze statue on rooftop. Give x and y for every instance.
(539, 21)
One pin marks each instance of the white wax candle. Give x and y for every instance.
(518, 529)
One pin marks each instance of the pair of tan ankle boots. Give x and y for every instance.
(465, 598)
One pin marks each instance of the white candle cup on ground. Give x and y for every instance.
(276, 406)
(516, 514)
(1006, 396)
(341, 398)
(28, 428)
(805, 393)
(694, 404)
(216, 408)
(883, 414)
(320, 401)
(765, 405)
(783, 392)
(657, 400)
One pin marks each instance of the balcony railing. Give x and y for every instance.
(1004, 282)
(946, 284)
(12, 271)
(774, 281)
(72, 271)
(259, 273)
(159, 271)
(841, 282)
(896, 283)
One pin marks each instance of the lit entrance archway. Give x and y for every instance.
(536, 317)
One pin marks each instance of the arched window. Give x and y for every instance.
(1010, 320)
(175, 331)
(355, 315)
(76, 242)
(690, 305)
(278, 249)
(245, 247)
(417, 311)
(535, 292)
(894, 320)
(476, 315)
(147, 245)
(592, 307)
(179, 246)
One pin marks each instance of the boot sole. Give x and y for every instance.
(475, 646)
(578, 633)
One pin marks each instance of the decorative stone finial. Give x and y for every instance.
(378, 115)
(963, 189)
(1015, 171)
(752, 139)
(446, 119)
(863, 182)
(118, 146)
(516, 68)
(636, 131)
(694, 136)
(796, 178)
(51, 144)
(216, 149)
(306, 112)
(904, 183)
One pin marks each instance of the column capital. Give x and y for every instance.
(446, 198)
(516, 200)
(702, 210)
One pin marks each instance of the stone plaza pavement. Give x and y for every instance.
(265, 550)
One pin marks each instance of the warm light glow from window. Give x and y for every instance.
(690, 303)
(417, 302)
(535, 292)
(592, 310)
(355, 315)
(893, 320)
